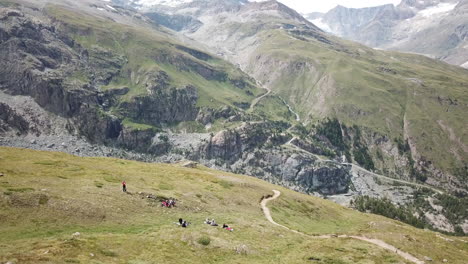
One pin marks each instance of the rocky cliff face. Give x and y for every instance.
(10, 121)
(259, 149)
(164, 106)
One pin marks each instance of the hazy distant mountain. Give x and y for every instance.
(431, 27)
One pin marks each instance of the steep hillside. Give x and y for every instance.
(434, 28)
(128, 75)
(64, 209)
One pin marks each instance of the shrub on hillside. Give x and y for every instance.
(204, 240)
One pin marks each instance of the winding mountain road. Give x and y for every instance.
(377, 242)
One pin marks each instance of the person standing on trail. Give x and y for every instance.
(124, 186)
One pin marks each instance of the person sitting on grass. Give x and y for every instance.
(213, 223)
(172, 202)
(227, 227)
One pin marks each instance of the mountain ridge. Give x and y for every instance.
(432, 28)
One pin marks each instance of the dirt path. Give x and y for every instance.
(256, 100)
(376, 242)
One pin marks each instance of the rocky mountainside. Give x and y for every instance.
(433, 28)
(106, 76)
(324, 77)
(294, 105)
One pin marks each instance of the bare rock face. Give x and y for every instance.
(164, 106)
(301, 171)
(226, 145)
(254, 149)
(36, 60)
(12, 121)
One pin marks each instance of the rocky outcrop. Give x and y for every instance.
(209, 115)
(296, 170)
(164, 106)
(137, 139)
(10, 120)
(255, 149)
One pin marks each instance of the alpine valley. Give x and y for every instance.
(226, 88)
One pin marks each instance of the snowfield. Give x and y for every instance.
(438, 9)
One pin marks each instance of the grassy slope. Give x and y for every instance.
(46, 196)
(140, 46)
(272, 108)
(362, 93)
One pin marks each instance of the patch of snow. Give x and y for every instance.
(171, 3)
(440, 8)
(108, 1)
(319, 23)
(465, 65)
(100, 9)
(110, 7)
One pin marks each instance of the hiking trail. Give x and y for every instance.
(376, 242)
(256, 100)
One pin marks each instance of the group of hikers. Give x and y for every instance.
(183, 223)
(168, 203)
(212, 222)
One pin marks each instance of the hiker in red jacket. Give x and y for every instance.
(124, 186)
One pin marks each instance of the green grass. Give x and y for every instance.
(21, 190)
(128, 123)
(119, 227)
(272, 108)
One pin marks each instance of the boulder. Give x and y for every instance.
(190, 164)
